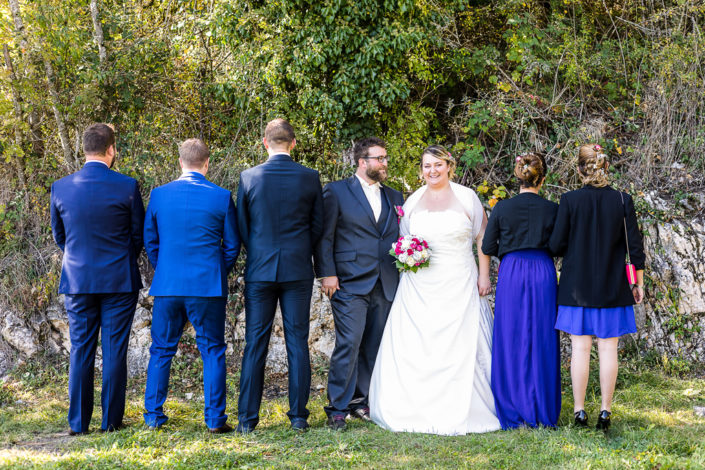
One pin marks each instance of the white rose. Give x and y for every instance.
(406, 244)
(410, 261)
(418, 256)
(402, 257)
(424, 253)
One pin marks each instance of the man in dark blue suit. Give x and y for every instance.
(190, 234)
(280, 217)
(359, 275)
(96, 219)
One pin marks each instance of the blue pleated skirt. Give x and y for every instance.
(526, 380)
(609, 322)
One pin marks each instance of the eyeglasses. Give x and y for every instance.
(381, 158)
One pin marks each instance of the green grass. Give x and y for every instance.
(654, 427)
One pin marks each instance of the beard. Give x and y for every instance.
(378, 175)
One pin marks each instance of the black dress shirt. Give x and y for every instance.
(520, 223)
(589, 234)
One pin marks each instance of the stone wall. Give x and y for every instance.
(671, 322)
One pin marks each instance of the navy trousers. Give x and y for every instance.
(359, 324)
(111, 315)
(260, 305)
(170, 314)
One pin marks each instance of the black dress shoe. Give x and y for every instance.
(77, 433)
(603, 421)
(112, 428)
(361, 413)
(337, 422)
(299, 424)
(226, 428)
(581, 418)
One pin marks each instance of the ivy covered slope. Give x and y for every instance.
(488, 79)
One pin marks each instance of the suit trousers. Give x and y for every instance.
(110, 315)
(170, 314)
(260, 305)
(359, 324)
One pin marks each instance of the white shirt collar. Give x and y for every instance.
(375, 186)
(98, 161)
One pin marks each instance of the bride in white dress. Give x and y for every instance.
(432, 373)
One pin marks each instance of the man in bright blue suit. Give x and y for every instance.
(280, 217)
(96, 219)
(190, 234)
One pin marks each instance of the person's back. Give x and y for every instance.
(191, 239)
(278, 222)
(190, 259)
(280, 218)
(96, 218)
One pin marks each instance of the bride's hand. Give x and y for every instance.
(483, 285)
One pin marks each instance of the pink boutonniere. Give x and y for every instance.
(400, 213)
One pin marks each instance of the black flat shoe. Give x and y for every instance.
(581, 418)
(603, 420)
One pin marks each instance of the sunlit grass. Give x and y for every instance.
(654, 427)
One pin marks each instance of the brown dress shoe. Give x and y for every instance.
(77, 433)
(226, 428)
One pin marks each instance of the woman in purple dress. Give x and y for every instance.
(594, 227)
(526, 380)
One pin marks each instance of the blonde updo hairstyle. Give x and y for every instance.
(592, 165)
(440, 152)
(530, 169)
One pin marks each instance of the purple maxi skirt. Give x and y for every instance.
(526, 379)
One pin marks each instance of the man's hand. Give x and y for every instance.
(483, 285)
(330, 285)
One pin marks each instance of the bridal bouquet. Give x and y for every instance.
(411, 253)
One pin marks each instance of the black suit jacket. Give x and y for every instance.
(280, 219)
(589, 234)
(353, 246)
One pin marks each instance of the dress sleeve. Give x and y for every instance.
(636, 245)
(478, 214)
(490, 242)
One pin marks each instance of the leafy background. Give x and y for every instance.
(487, 78)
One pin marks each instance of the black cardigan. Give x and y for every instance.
(522, 222)
(589, 234)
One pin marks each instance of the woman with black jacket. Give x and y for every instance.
(526, 379)
(593, 228)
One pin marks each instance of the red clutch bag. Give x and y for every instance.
(631, 270)
(631, 273)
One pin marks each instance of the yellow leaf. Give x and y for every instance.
(493, 202)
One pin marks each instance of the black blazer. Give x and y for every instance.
(354, 247)
(589, 234)
(280, 219)
(520, 223)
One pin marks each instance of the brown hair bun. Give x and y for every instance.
(530, 169)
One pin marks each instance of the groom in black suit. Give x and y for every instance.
(280, 218)
(359, 275)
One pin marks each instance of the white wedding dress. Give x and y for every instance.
(432, 373)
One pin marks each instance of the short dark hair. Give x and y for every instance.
(362, 147)
(97, 138)
(279, 132)
(193, 152)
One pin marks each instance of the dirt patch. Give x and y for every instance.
(53, 443)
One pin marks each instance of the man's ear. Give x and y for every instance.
(264, 142)
(181, 164)
(292, 145)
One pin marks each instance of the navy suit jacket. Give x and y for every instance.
(190, 234)
(96, 219)
(280, 217)
(353, 246)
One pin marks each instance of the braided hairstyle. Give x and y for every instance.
(592, 165)
(530, 169)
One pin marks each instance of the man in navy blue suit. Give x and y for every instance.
(280, 217)
(96, 218)
(190, 234)
(359, 275)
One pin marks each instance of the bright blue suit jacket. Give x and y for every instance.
(96, 219)
(191, 237)
(280, 217)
